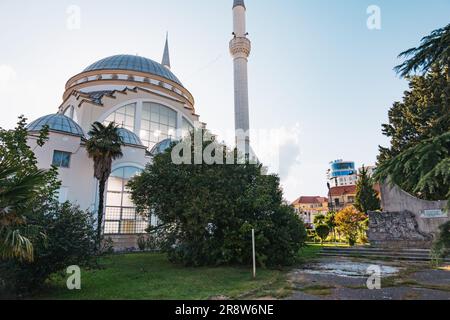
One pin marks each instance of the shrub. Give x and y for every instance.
(322, 231)
(207, 212)
(68, 239)
(349, 221)
(441, 247)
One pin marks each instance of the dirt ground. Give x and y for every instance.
(346, 279)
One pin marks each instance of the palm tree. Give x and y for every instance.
(15, 192)
(104, 146)
(434, 49)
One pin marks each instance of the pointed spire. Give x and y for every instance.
(166, 57)
(238, 3)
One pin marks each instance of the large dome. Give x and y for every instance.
(133, 63)
(56, 122)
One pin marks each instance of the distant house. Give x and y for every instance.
(309, 207)
(342, 197)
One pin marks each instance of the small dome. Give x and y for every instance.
(160, 147)
(133, 63)
(56, 122)
(129, 137)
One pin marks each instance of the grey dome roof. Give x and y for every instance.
(160, 147)
(57, 122)
(133, 63)
(129, 137)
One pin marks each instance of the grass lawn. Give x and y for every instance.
(151, 276)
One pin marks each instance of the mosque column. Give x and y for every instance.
(240, 48)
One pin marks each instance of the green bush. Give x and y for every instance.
(68, 238)
(441, 247)
(207, 212)
(322, 231)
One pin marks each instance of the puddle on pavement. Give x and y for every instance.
(348, 269)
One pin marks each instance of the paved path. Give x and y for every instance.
(412, 282)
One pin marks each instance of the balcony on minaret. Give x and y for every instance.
(240, 47)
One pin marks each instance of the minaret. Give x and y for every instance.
(166, 57)
(240, 47)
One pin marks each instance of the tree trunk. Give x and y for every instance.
(101, 190)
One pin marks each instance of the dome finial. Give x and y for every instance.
(166, 57)
(238, 3)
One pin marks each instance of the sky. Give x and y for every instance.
(321, 81)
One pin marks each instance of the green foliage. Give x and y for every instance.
(323, 231)
(150, 276)
(419, 126)
(319, 219)
(69, 240)
(104, 146)
(366, 197)
(423, 170)
(330, 221)
(207, 212)
(24, 189)
(434, 50)
(423, 114)
(441, 247)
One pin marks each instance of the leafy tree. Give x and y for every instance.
(319, 219)
(70, 239)
(423, 170)
(423, 114)
(207, 211)
(349, 221)
(330, 221)
(25, 190)
(366, 197)
(441, 246)
(434, 49)
(323, 231)
(104, 146)
(418, 159)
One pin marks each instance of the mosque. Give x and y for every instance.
(151, 106)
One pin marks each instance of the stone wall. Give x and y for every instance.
(404, 221)
(396, 229)
(123, 243)
(394, 199)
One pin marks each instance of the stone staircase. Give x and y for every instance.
(412, 255)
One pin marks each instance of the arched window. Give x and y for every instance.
(157, 124)
(120, 212)
(124, 117)
(187, 128)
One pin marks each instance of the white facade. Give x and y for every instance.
(143, 98)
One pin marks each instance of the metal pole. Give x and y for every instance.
(254, 254)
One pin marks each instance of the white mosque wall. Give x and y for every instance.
(78, 184)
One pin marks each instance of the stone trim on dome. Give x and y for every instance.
(169, 87)
(133, 63)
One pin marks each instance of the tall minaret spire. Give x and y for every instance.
(166, 57)
(240, 47)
